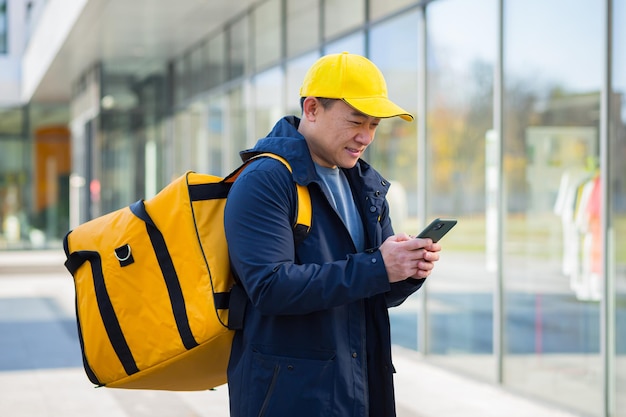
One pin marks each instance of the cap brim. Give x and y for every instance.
(380, 107)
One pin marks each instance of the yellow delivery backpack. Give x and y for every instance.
(153, 287)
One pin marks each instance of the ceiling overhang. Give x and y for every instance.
(137, 32)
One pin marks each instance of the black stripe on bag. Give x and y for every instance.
(73, 262)
(221, 300)
(90, 374)
(169, 274)
(109, 318)
(107, 313)
(209, 191)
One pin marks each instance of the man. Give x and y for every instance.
(316, 338)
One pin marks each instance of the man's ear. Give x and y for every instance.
(310, 107)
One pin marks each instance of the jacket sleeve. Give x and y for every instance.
(258, 225)
(399, 291)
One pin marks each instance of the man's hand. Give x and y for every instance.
(407, 257)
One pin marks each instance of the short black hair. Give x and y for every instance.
(325, 102)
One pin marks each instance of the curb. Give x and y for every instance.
(32, 261)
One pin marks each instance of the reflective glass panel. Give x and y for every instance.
(116, 153)
(380, 8)
(46, 217)
(303, 23)
(15, 166)
(11, 121)
(200, 140)
(237, 134)
(267, 33)
(13, 190)
(296, 70)
(268, 101)
(122, 155)
(114, 147)
(181, 80)
(215, 127)
(239, 48)
(3, 27)
(192, 145)
(394, 150)
(552, 251)
(216, 56)
(461, 57)
(617, 147)
(354, 43)
(340, 16)
(197, 72)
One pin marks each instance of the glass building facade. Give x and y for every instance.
(520, 134)
(3, 27)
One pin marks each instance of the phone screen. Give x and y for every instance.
(437, 229)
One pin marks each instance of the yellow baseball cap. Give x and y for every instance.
(355, 80)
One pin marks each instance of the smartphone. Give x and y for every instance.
(437, 229)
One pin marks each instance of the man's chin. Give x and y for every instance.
(348, 164)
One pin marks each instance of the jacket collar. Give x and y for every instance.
(285, 140)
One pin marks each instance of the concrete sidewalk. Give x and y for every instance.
(33, 261)
(41, 370)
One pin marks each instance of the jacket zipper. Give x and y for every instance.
(364, 369)
(270, 391)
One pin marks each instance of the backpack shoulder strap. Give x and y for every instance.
(304, 211)
(302, 224)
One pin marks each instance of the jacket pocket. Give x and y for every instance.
(288, 386)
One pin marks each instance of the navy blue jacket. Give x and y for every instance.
(315, 338)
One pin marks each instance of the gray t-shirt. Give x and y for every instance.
(341, 197)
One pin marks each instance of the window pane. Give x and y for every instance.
(3, 27)
(302, 25)
(340, 16)
(394, 151)
(197, 71)
(617, 143)
(201, 143)
(236, 139)
(215, 134)
(125, 154)
(296, 70)
(217, 66)
(14, 190)
(239, 49)
(11, 121)
(268, 101)
(119, 156)
(267, 33)
(16, 166)
(380, 8)
(553, 74)
(355, 44)
(118, 150)
(462, 38)
(181, 78)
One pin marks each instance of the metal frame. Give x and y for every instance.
(607, 304)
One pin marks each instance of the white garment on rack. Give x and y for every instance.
(565, 207)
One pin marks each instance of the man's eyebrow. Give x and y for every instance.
(359, 114)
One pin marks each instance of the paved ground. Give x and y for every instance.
(41, 372)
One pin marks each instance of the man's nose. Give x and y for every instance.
(365, 135)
